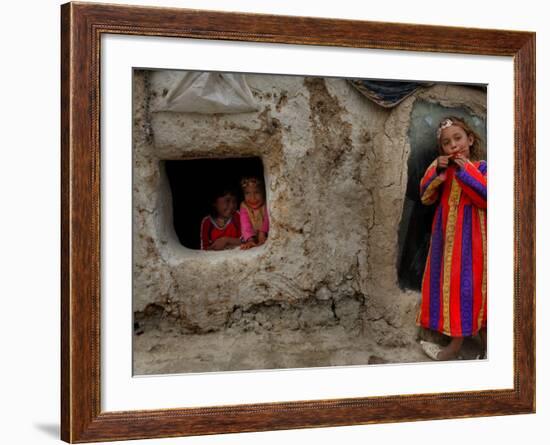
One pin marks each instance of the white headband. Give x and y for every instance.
(444, 124)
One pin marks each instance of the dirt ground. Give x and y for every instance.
(160, 348)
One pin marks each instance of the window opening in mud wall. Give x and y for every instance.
(416, 219)
(195, 182)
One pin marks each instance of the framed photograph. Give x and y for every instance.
(275, 222)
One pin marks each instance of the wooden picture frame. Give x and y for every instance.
(82, 25)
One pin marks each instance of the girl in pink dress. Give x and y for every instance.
(254, 215)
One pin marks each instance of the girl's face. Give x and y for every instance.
(253, 196)
(223, 206)
(454, 140)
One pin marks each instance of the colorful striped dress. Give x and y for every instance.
(454, 285)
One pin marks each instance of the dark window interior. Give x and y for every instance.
(416, 223)
(194, 182)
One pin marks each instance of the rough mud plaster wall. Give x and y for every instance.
(335, 167)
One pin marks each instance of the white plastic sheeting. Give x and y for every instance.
(208, 93)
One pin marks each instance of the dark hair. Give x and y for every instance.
(220, 192)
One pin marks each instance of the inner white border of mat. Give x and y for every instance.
(121, 391)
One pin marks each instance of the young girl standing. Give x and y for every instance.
(454, 285)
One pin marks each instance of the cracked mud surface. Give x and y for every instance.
(160, 348)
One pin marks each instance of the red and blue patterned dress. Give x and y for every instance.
(454, 285)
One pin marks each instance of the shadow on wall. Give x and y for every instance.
(416, 219)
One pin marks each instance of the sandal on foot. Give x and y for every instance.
(432, 350)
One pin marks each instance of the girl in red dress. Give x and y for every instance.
(222, 228)
(454, 285)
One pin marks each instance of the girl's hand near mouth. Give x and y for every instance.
(460, 160)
